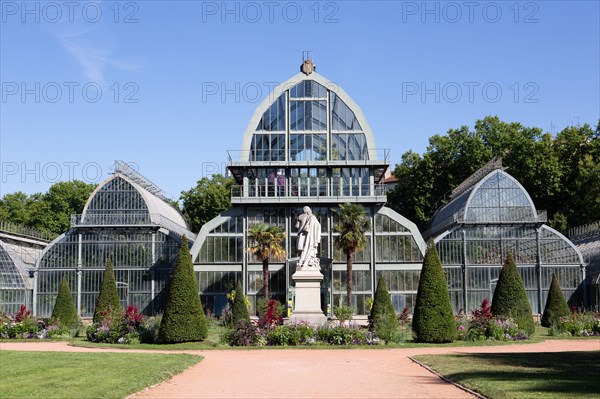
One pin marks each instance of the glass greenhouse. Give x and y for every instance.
(308, 144)
(489, 215)
(127, 220)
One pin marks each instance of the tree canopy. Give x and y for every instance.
(49, 212)
(208, 199)
(561, 172)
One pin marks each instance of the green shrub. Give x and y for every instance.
(340, 335)
(556, 305)
(149, 330)
(433, 319)
(382, 303)
(510, 299)
(343, 313)
(386, 327)
(239, 309)
(291, 334)
(183, 319)
(109, 295)
(64, 312)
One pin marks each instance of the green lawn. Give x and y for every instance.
(85, 375)
(523, 375)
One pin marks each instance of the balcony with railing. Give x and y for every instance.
(281, 157)
(303, 189)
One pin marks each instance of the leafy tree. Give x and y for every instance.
(183, 319)
(208, 199)
(266, 243)
(433, 319)
(64, 309)
(49, 212)
(239, 310)
(552, 169)
(556, 305)
(382, 304)
(108, 298)
(352, 224)
(510, 298)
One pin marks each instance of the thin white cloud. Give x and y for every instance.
(84, 45)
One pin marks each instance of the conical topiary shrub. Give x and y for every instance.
(556, 305)
(64, 311)
(433, 319)
(382, 304)
(510, 298)
(239, 310)
(183, 319)
(109, 296)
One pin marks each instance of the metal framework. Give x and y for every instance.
(124, 221)
(490, 215)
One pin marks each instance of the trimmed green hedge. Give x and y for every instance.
(109, 296)
(433, 318)
(183, 319)
(239, 310)
(64, 309)
(510, 298)
(556, 305)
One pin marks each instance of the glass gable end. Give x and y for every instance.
(500, 199)
(315, 124)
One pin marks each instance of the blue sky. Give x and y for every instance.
(87, 83)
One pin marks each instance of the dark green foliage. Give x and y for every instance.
(383, 319)
(64, 311)
(49, 212)
(183, 319)
(560, 171)
(208, 199)
(433, 319)
(556, 305)
(510, 298)
(109, 296)
(239, 309)
(353, 222)
(382, 304)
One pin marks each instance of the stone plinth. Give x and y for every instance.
(307, 303)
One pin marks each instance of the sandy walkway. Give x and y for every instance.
(300, 373)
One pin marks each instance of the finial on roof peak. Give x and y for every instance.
(307, 66)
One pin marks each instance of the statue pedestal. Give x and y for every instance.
(307, 303)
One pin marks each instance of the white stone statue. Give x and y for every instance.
(309, 238)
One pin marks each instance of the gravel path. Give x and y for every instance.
(323, 373)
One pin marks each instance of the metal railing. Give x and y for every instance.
(281, 155)
(25, 231)
(587, 230)
(305, 187)
(509, 215)
(115, 219)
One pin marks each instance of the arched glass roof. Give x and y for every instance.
(14, 264)
(495, 198)
(308, 118)
(120, 200)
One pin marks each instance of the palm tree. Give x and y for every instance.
(267, 243)
(353, 222)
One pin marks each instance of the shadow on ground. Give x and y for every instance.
(568, 373)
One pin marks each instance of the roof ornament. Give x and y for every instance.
(307, 66)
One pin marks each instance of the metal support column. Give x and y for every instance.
(153, 274)
(79, 272)
(464, 269)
